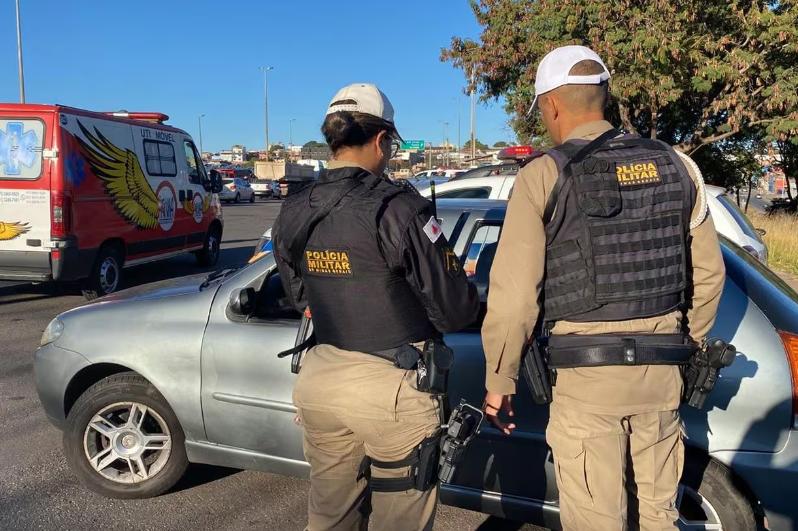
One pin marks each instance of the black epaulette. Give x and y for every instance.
(535, 155)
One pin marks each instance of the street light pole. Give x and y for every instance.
(19, 58)
(291, 132)
(265, 70)
(473, 117)
(446, 143)
(199, 122)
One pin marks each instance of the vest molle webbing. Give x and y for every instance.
(617, 239)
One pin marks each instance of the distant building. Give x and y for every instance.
(226, 155)
(316, 152)
(239, 154)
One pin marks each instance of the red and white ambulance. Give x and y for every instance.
(85, 194)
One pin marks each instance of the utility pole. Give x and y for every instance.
(199, 122)
(473, 116)
(265, 70)
(446, 143)
(19, 58)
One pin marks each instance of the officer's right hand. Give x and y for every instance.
(494, 404)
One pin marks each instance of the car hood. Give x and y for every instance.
(158, 290)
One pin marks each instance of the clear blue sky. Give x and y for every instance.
(190, 57)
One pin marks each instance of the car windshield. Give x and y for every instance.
(227, 181)
(742, 220)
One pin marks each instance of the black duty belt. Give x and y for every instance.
(569, 351)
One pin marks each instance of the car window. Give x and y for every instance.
(227, 181)
(482, 192)
(272, 301)
(739, 217)
(480, 252)
(192, 163)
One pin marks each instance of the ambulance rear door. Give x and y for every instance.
(24, 194)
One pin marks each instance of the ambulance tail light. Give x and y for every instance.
(791, 348)
(60, 215)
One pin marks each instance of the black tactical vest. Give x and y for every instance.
(357, 302)
(616, 240)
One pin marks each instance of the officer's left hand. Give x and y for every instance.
(495, 403)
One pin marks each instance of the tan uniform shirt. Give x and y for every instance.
(516, 280)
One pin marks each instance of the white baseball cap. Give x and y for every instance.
(364, 98)
(554, 68)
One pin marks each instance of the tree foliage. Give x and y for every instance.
(480, 145)
(501, 144)
(314, 144)
(690, 72)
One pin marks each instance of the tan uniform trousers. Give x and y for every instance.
(616, 472)
(353, 404)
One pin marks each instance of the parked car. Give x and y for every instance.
(236, 190)
(728, 218)
(734, 224)
(147, 380)
(84, 195)
(262, 187)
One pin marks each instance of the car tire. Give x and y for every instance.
(81, 439)
(211, 248)
(709, 494)
(238, 198)
(106, 273)
(251, 198)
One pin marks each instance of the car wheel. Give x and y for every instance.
(251, 198)
(238, 198)
(209, 254)
(106, 274)
(123, 440)
(709, 499)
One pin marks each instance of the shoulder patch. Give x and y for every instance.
(433, 229)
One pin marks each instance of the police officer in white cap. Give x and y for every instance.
(370, 261)
(631, 273)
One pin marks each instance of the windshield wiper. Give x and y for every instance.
(216, 275)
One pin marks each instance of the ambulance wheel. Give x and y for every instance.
(106, 274)
(209, 254)
(238, 198)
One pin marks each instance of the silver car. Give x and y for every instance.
(153, 378)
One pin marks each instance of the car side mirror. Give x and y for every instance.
(242, 302)
(761, 232)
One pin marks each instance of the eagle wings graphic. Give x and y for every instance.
(123, 177)
(10, 230)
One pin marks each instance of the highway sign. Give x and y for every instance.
(417, 145)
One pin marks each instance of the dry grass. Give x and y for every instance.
(781, 239)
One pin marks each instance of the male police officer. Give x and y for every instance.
(370, 260)
(631, 260)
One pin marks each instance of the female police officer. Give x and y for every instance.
(370, 261)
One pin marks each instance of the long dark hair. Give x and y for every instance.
(347, 128)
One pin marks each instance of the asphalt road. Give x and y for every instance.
(39, 491)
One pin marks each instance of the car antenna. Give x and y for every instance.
(434, 202)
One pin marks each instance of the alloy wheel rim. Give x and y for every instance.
(696, 512)
(127, 442)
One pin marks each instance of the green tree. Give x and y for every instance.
(480, 145)
(689, 72)
(314, 144)
(501, 144)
